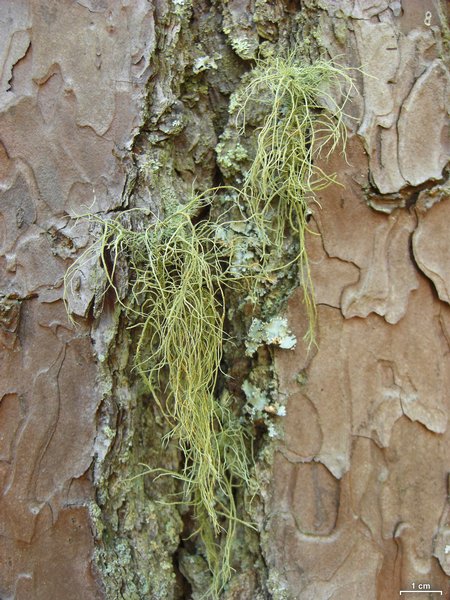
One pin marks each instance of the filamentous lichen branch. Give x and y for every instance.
(302, 122)
(179, 268)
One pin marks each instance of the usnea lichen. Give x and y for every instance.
(302, 123)
(178, 268)
(177, 274)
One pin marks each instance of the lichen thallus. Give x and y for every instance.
(179, 269)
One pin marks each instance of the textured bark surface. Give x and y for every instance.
(106, 104)
(72, 81)
(359, 504)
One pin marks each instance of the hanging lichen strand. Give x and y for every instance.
(302, 123)
(177, 274)
(178, 268)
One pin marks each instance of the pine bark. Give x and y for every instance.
(108, 104)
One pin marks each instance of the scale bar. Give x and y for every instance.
(420, 592)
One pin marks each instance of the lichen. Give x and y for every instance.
(273, 332)
(230, 156)
(277, 587)
(138, 530)
(302, 122)
(177, 272)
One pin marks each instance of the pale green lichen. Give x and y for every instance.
(176, 273)
(273, 332)
(203, 63)
(182, 8)
(274, 245)
(303, 122)
(277, 588)
(256, 398)
(244, 47)
(230, 156)
(150, 166)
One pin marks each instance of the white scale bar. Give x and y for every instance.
(420, 592)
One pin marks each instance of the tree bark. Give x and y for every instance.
(106, 105)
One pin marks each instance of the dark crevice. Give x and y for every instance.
(17, 65)
(405, 198)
